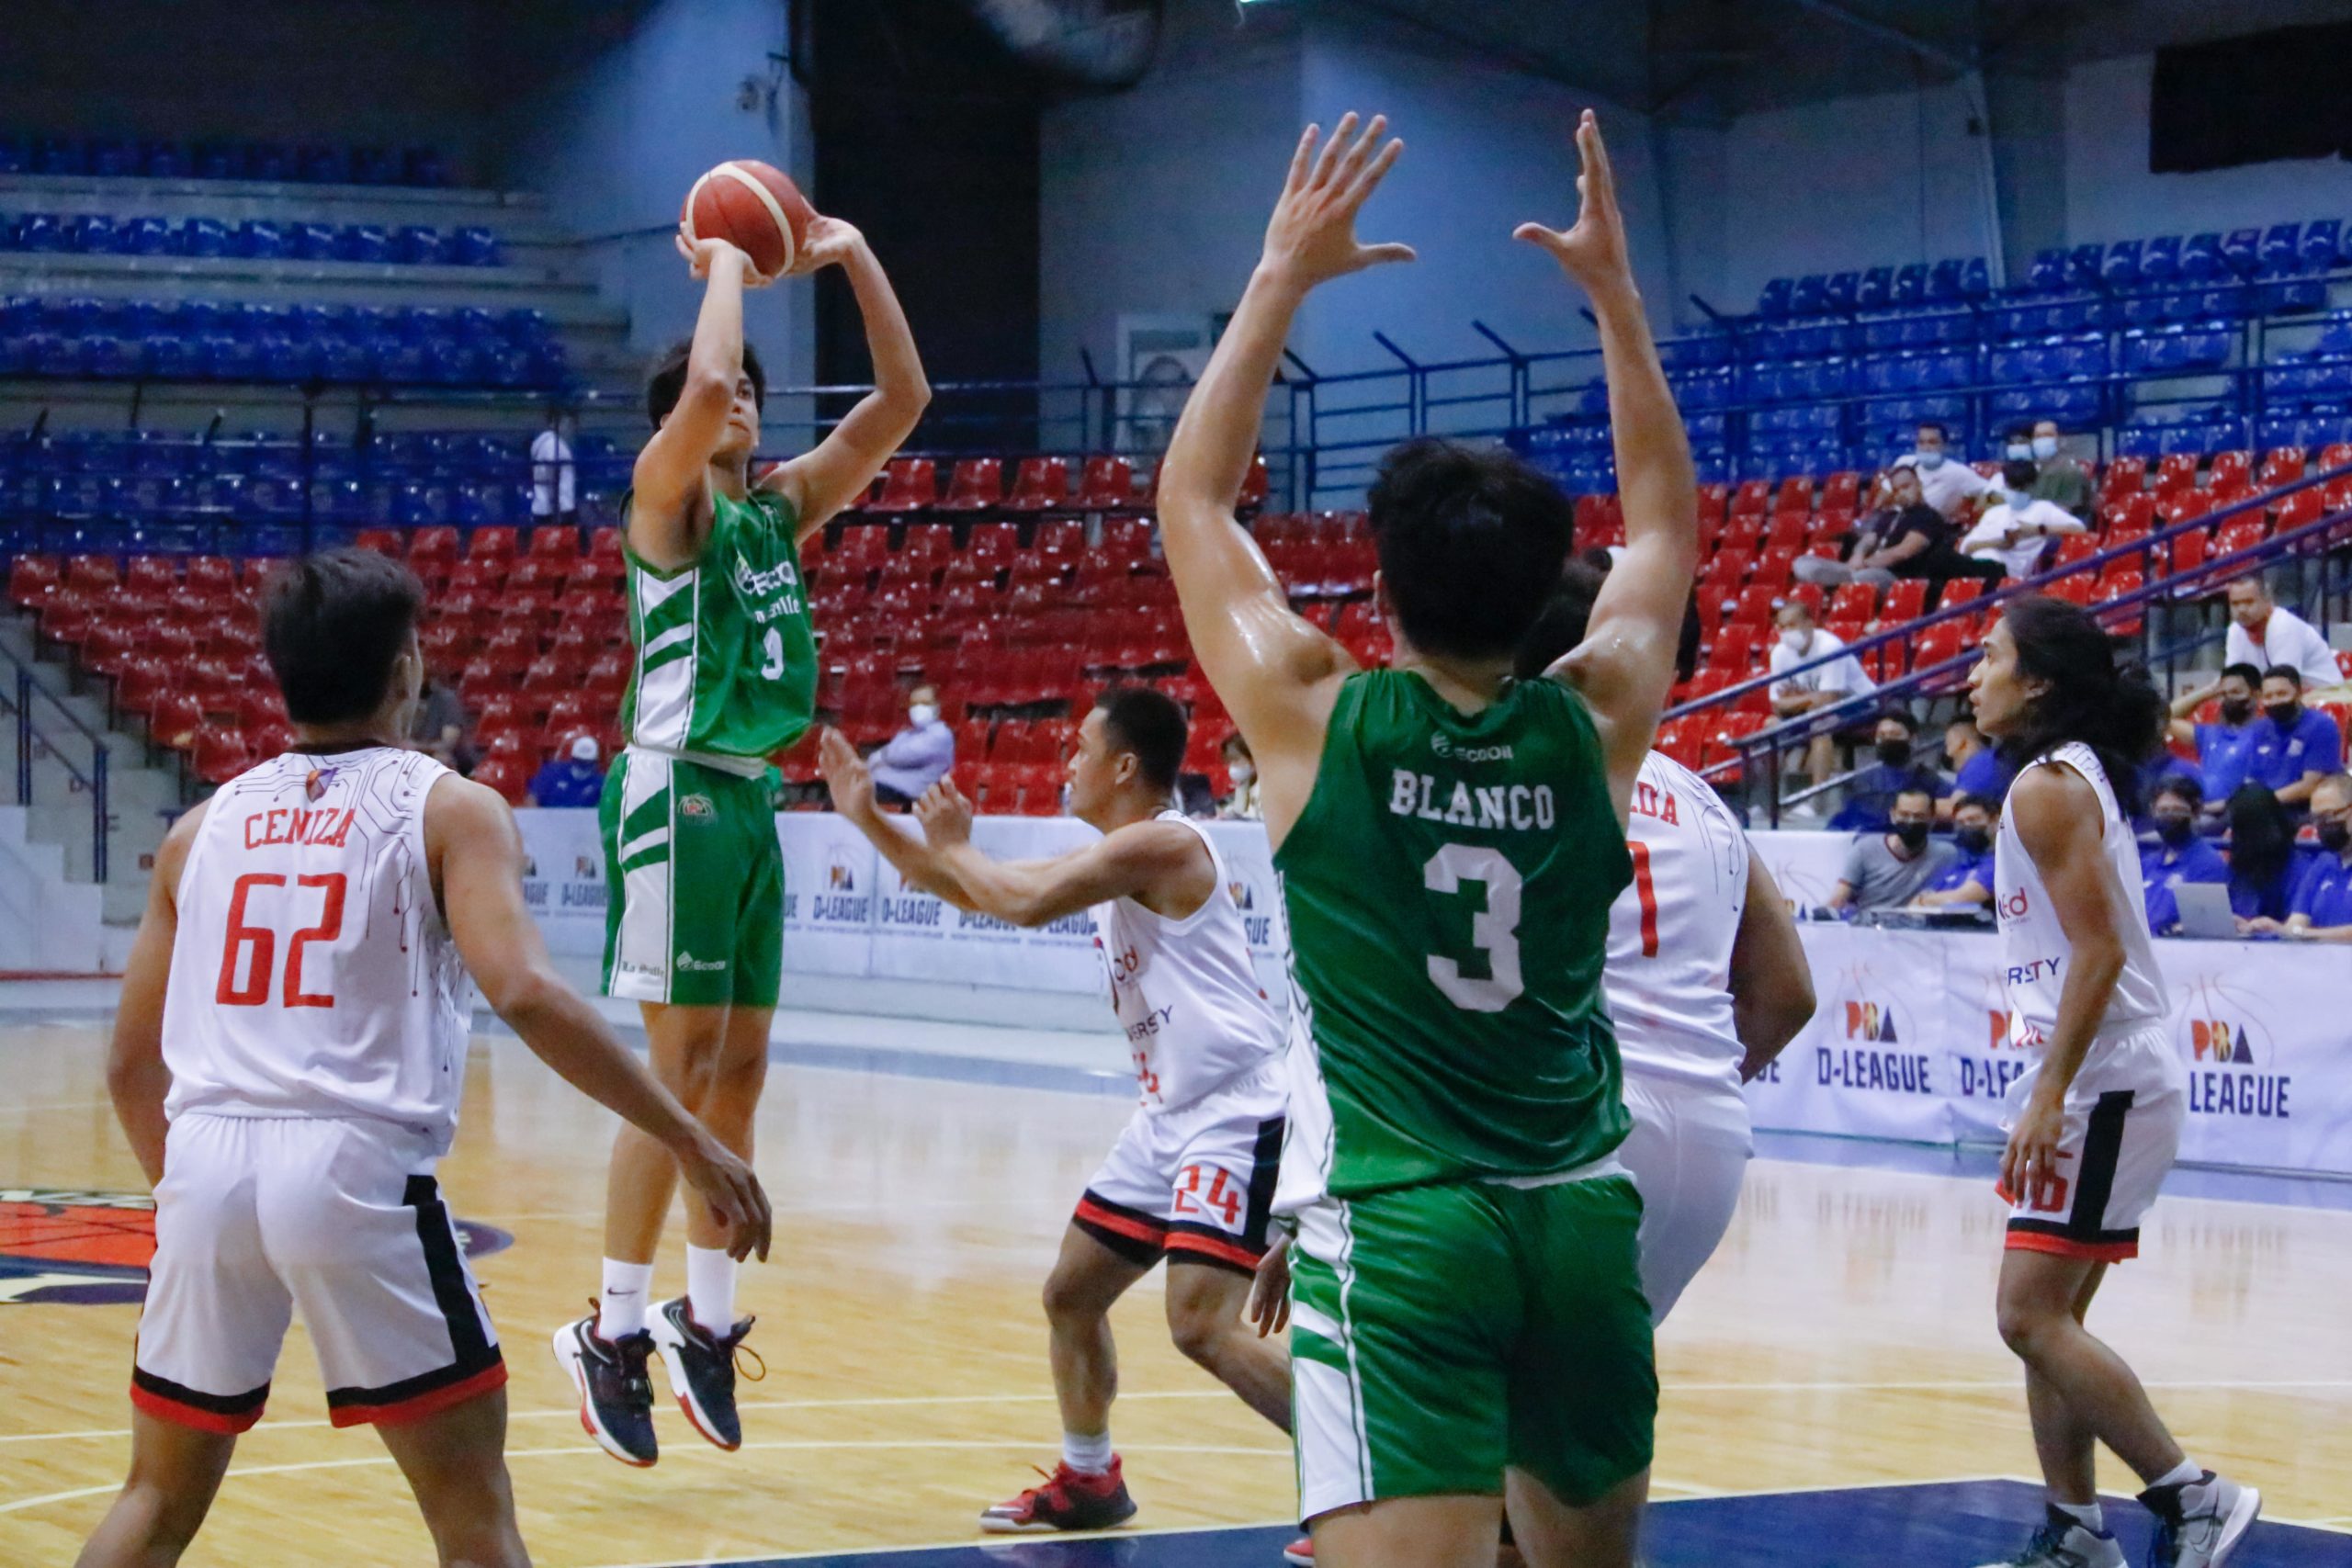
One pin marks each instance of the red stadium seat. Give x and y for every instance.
(997, 541)
(1751, 498)
(2281, 465)
(152, 574)
(1043, 485)
(506, 774)
(32, 578)
(383, 541)
(434, 542)
(219, 755)
(1906, 600)
(977, 485)
(2125, 476)
(1107, 484)
(556, 545)
(909, 484)
(1854, 602)
(493, 541)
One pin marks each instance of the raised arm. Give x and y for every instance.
(476, 859)
(1625, 667)
(664, 522)
(137, 1080)
(1277, 675)
(836, 471)
(1771, 980)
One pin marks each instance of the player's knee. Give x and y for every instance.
(2027, 1327)
(1070, 1299)
(1201, 1327)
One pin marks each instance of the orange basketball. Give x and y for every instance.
(752, 206)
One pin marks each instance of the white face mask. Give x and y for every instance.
(1795, 639)
(2018, 451)
(1242, 774)
(1929, 461)
(921, 714)
(2046, 446)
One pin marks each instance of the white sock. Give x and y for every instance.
(2088, 1515)
(620, 1305)
(710, 1288)
(1087, 1456)
(2188, 1473)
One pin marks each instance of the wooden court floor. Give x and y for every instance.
(1843, 1336)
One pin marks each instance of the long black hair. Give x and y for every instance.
(2262, 838)
(2094, 697)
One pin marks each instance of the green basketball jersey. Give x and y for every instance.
(1448, 888)
(726, 652)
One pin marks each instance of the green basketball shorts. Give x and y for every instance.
(694, 879)
(1442, 1334)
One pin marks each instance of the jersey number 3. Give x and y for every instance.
(773, 646)
(1494, 930)
(262, 941)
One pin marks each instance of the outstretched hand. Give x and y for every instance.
(848, 778)
(1593, 252)
(1312, 237)
(945, 815)
(829, 242)
(701, 253)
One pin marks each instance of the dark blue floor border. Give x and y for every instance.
(1954, 1524)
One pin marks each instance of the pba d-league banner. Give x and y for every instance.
(1910, 1039)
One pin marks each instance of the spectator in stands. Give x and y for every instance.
(1871, 793)
(2320, 909)
(2178, 855)
(2062, 480)
(438, 726)
(572, 780)
(1906, 538)
(1801, 642)
(555, 476)
(1976, 767)
(2016, 528)
(1967, 881)
(2263, 862)
(2291, 747)
(2221, 746)
(1241, 805)
(917, 757)
(2262, 635)
(1947, 483)
(1892, 864)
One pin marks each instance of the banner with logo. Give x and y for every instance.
(1910, 1040)
(1805, 866)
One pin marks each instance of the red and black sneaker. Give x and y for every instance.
(1068, 1500)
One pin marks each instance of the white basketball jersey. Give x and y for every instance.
(1185, 991)
(1670, 933)
(312, 975)
(2034, 948)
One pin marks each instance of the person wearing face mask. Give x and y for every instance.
(2061, 480)
(2015, 530)
(2264, 635)
(2291, 748)
(2321, 906)
(917, 757)
(1967, 882)
(2178, 855)
(1871, 793)
(571, 781)
(2221, 746)
(1241, 805)
(1801, 642)
(1887, 869)
(1947, 483)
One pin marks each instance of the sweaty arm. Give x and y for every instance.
(1625, 667)
(838, 468)
(1771, 980)
(475, 855)
(137, 1080)
(2058, 820)
(665, 523)
(1277, 675)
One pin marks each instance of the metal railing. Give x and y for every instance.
(2159, 587)
(26, 690)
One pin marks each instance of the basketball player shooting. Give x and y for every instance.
(1191, 1179)
(288, 1058)
(1449, 841)
(725, 677)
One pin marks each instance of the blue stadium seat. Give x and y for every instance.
(1811, 296)
(162, 160)
(1943, 280)
(144, 237)
(1842, 288)
(92, 234)
(2122, 267)
(2293, 295)
(2082, 357)
(111, 157)
(2048, 273)
(42, 231)
(204, 237)
(2200, 257)
(2321, 238)
(1876, 288)
(2083, 266)
(172, 356)
(1911, 283)
(1977, 278)
(364, 242)
(377, 166)
(2282, 249)
(216, 160)
(2160, 259)
(268, 161)
(418, 245)
(109, 356)
(312, 241)
(323, 165)
(2241, 252)
(1773, 302)
(59, 155)
(423, 167)
(16, 155)
(258, 238)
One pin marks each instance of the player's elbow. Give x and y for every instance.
(709, 389)
(524, 998)
(1789, 1006)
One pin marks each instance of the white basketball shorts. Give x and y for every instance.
(2124, 1114)
(1195, 1182)
(1688, 1153)
(258, 1217)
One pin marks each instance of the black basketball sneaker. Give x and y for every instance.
(616, 1394)
(702, 1369)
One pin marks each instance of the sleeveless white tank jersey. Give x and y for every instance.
(312, 975)
(2034, 950)
(1185, 992)
(1670, 933)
